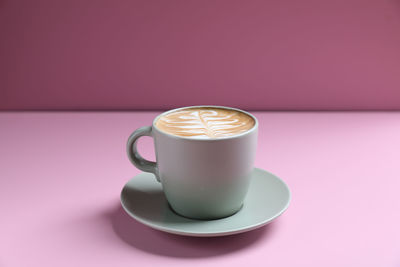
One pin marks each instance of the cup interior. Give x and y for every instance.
(255, 126)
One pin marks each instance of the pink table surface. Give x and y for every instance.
(61, 175)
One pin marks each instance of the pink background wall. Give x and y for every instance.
(254, 54)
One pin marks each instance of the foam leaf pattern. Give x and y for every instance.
(205, 122)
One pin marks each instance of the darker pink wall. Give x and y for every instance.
(254, 54)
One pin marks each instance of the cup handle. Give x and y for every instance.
(135, 157)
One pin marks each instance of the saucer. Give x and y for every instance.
(268, 197)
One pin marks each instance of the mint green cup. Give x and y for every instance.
(201, 178)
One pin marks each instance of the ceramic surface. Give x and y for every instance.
(268, 197)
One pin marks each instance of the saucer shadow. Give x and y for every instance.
(156, 242)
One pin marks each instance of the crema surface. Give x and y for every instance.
(207, 122)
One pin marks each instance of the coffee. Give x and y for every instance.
(205, 122)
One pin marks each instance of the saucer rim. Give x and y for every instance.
(217, 233)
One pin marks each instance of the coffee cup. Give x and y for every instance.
(204, 158)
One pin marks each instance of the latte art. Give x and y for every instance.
(207, 122)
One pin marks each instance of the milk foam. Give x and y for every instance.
(205, 123)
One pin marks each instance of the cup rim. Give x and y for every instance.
(255, 127)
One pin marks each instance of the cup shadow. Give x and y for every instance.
(156, 242)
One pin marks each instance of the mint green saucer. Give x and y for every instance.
(268, 197)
